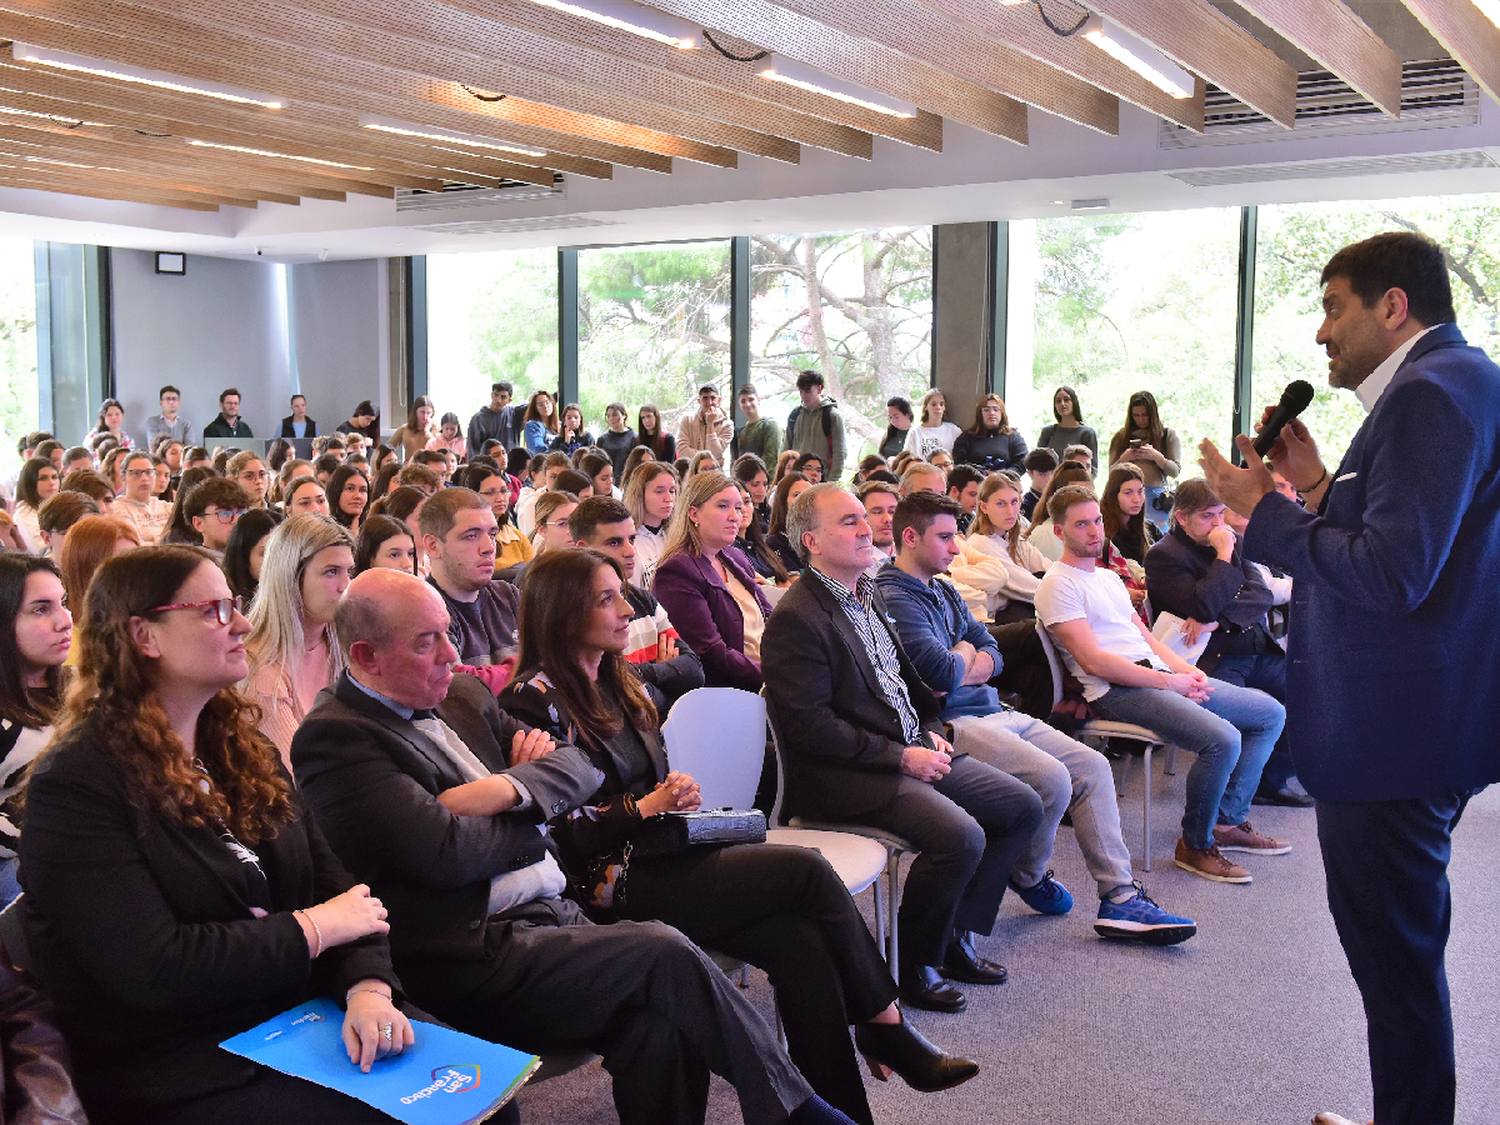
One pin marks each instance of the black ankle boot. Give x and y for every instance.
(905, 1050)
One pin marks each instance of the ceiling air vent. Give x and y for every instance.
(1435, 93)
(456, 194)
(514, 226)
(1331, 169)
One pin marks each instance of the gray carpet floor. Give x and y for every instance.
(1255, 1021)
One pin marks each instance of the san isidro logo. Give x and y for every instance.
(447, 1080)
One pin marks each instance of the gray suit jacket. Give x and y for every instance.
(373, 780)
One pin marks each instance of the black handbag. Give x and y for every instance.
(669, 832)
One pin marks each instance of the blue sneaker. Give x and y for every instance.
(1047, 897)
(1140, 919)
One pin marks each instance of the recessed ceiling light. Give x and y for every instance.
(431, 133)
(792, 73)
(65, 60)
(1140, 57)
(278, 155)
(634, 18)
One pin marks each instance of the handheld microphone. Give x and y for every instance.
(1294, 400)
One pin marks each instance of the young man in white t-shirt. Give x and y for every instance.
(1131, 677)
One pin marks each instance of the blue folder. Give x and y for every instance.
(446, 1078)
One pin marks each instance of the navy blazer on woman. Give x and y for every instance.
(707, 617)
(1395, 626)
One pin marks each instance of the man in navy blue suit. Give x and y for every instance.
(1395, 637)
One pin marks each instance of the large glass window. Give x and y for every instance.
(1296, 241)
(856, 307)
(1125, 303)
(490, 316)
(653, 326)
(19, 406)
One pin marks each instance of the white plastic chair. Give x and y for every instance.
(718, 735)
(1104, 729)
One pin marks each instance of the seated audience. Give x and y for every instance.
(88, 544)
(450, 438)
(994, 560)
(36, 633)
(174, 884)
(60, 513)
(991, 443)
(250, 471)
(419, 430)
(601, 473)
(1082, 454)
(1131, 677)
(136, 505)
(780, 908)
(228, 423)
(811, 466)
(708, 588)
(1123, 504)
(552, 512)
(169, 423)
(956, 659)
(458, 536)
(668, 670)
(633, 461)
(1199, 572)
(384, 455)
(306, 497)
(1040, 534)
(111, 423)
(512, 549)
(427, 808)
(180, 531)
(923, 476)
(879, 500)
(784, 465)
(751, 542)
(95, 487)
(961, 485)
(246, 551)
(542, 479)
(406, 504)
(37, 484)
(414, 475)
(212, 508)
(860, 734)
(277, 455)
(348, 497)
(868, 465)
(384, 541)
(571, 436)
(702, 461)
(10, 534)
(788, 488)
(293, 649)
(78, 457)
(195, 457)
(751, 471)
(651, 497)
(326, 464)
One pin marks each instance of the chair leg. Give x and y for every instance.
(893, 875)
(879, 915)
(1170, 768)
(1146, 842)
(1122, 776)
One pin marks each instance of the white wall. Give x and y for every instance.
(251, 325)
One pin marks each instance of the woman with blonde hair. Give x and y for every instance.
(708, 587)
(552, 512)
(650, 497)
(293, 648)
(995, 559)
(177, 893)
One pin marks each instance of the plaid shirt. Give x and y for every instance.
(879, 648)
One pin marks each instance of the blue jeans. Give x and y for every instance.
(1267, 672)
(1232, 735)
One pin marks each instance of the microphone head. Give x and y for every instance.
(1298, 394)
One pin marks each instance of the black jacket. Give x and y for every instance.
(1190, 580)
(287, 431)
(991, 451)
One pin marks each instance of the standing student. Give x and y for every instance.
(1394, 630)
(707, 430)
(899, 418)
(499, 421)
(365, 421)
(935, 433)
(297, 424)
(1152, 448)
(1068, 429)
(169, 423)
(571, 436)
(758, 435)
(540, 423)
(618, 440)
(816, 426)
(413, 437)
(649, 433)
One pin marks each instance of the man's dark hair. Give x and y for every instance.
(63, 509)
(571, 480)
(1401, 260)
(429, 457)
(961, 476)
(502, 388)
(440, 513)
(917, 512)
(227, 391)
(222, 492)
(1041, 460)
(808, 379)
(165, 389)
(327, 463)
(419, 475)
(747, 390)
(707, 389)
(1193, 496)
(873, 485)
(885, 476)
(1064, 498)
(593, 511)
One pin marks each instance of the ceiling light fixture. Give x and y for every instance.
(1145, 60)
(65, 60)
(427, 132)
(1491, 8)
(278, 155)
(634, 18)
(792, 73)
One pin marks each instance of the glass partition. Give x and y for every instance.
(20, 407)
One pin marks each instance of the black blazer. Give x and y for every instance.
(842, 741)
(1190, 580)
(373, 780)
(286, 427)
(142, 934)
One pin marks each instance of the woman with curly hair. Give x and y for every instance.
(176, 891)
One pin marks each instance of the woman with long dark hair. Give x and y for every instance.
(1068, 429)
(36, 634)
(1123, 505)
(111, 423)
(781, 908)
(751, 541)
(663, 445)
(348, 496)
(899, 418)
(571, 436)
(539, 424)
(413, 437)
(751, 471)
(38, 483)
(387, 542)
(246, 551)
(991, 443)
(788, 488)
(1151, 447)
(176, 891)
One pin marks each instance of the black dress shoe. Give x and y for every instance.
(964, 963)
(905, 1050)
(922, 986)
(1285, 798)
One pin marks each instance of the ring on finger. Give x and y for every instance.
(385, 1031)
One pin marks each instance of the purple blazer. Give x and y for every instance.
(707, 617)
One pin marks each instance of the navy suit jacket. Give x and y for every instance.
(1395, 631)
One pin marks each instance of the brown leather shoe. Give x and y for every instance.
(1244, 838)
(1209, 863)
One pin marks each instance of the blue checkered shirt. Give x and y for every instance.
(879, 648)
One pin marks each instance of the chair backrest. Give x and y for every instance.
(718, 735)
(774, 818)
(1053, 662)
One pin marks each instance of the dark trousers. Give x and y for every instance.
(784, 910)
(969, 828)
(1387, 870)
(1266, 671)
(660, 1012)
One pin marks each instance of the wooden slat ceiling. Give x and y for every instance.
(574, 96)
